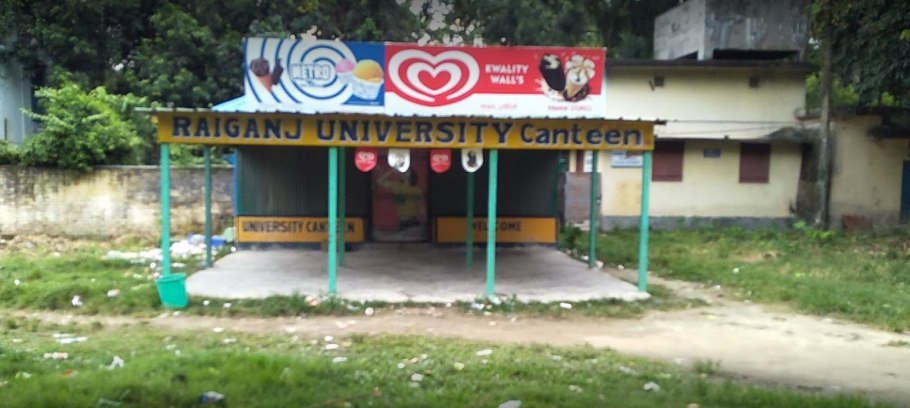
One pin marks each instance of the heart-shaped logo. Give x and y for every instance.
(433, 80)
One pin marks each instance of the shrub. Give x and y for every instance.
(81, 130)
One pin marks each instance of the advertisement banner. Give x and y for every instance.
(401, 79)
(495, 81)
(310, 76)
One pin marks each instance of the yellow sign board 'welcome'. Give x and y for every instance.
(380, 131)
(509, 230)
(293, 229)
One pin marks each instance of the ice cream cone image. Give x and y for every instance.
(579, 73)
(260, 69)
(266, 82)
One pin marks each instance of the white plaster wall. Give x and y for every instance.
(707, 103)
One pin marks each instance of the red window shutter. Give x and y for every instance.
(754, 162)
(668, 161)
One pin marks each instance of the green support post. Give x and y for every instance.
(491, 223)
(208, 206)
(469, 239)
(643, 235)
(592, 230)
(333, 217)
(165, 209)
(342, 192)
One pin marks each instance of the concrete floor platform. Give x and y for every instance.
(418, 273)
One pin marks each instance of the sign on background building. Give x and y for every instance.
(323, 76)
(622, 158)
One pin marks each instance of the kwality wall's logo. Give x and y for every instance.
(489, 80)
(433, 80)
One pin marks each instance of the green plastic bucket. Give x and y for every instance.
(172, 290)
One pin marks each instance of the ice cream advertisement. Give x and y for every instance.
(314, 76)
(508, 82)
(321, 76)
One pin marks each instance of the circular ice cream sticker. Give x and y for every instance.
(471, 159)
(400, 159)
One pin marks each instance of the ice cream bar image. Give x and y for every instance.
(472, 159)
(276, 73)
(260, 68)
(551, 68)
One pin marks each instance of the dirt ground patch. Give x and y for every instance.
(767, 345)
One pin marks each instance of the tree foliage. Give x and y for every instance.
(625, 27)
(85, 129)
(870, 47)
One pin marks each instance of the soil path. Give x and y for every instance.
(751, 341)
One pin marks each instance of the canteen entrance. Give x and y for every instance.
(385, 205)
(301, 183)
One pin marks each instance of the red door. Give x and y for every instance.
(399, 200)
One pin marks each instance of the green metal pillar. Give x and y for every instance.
(491, 223)
(592, 230)
(342, 192)
(208, 206)
(469, 239)
(333, 217)
(165, 209)
(643, 235)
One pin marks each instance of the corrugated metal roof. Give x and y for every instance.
(238, 105)
(233, 105)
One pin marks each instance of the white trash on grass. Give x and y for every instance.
(117, 363)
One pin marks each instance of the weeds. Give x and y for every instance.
(857, 276)
(707, 367)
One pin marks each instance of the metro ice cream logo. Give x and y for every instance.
(433, 80)
(314, 75)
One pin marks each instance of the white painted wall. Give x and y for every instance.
(867, 175)
(15, 94)
(712, 104)
(707, 103)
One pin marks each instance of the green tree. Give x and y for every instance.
(870, 51)
(625, 27)
(80, 130)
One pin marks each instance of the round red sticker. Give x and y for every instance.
(440, 160)
(365, 158)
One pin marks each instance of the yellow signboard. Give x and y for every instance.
(508, 230)
(282, 129)
(293, 229)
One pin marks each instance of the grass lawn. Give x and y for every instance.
(48, 281)
(862, 276)
(173, 369)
